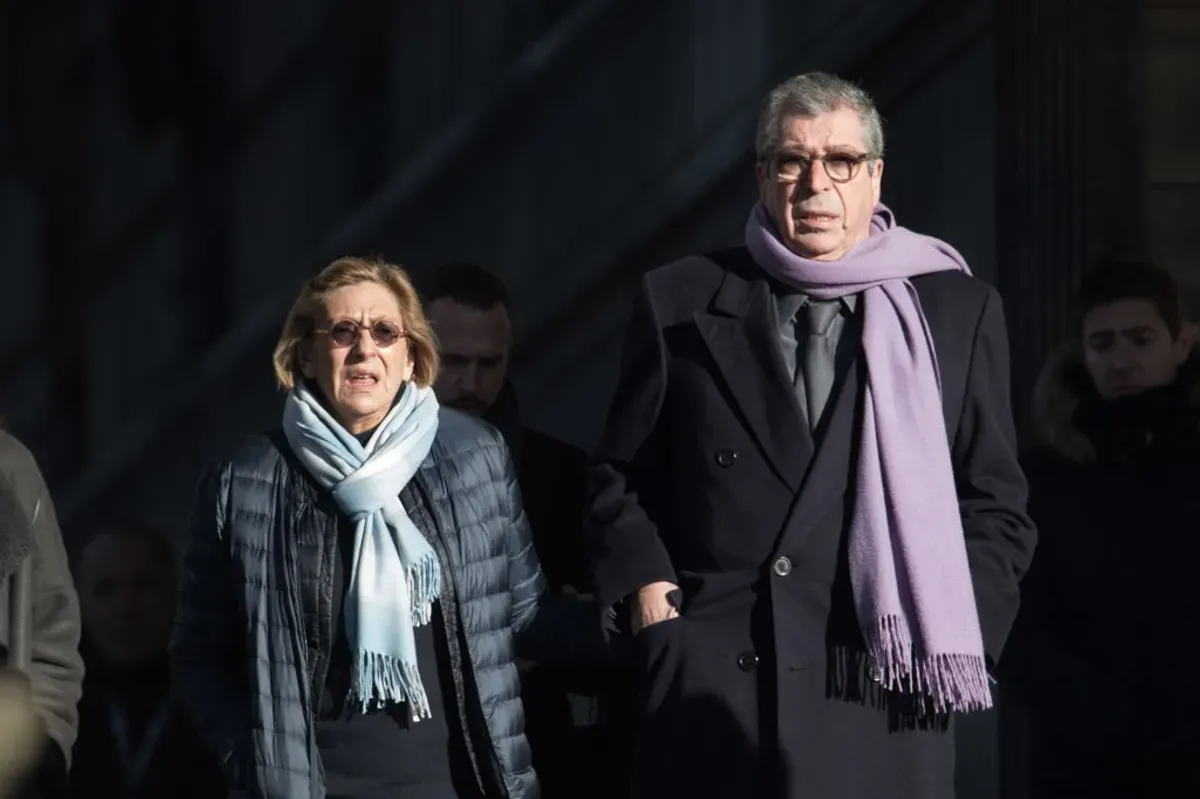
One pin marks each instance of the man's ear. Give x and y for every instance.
(762, 179)
(1185, 341)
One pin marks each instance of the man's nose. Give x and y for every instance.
(1124, 359)
(124, 601)
(817, 178)
(473, 377)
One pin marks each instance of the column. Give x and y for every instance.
(1066, 191)
(1066, 164)
(49, 138)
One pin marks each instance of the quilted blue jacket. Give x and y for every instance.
(254, 631)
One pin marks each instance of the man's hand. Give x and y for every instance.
(651, 606)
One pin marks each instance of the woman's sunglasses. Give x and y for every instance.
(347, 334)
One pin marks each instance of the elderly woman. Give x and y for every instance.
(359, 581)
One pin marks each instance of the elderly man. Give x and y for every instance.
(807, 504)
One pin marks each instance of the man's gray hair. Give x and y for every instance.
(810, 95)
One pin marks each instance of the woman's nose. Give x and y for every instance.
(365, 344)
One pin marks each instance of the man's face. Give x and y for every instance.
(474, 347)
(127, 599)
(1128, 349)
(816, 216)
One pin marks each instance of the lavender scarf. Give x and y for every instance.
(908, 557)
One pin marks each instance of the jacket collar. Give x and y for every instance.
(1064, 413)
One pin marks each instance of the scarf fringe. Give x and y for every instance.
(949, 682)
(424, 588)
(380, 681)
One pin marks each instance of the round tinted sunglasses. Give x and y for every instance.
(347, 334)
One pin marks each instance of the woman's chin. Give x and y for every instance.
(359, 416)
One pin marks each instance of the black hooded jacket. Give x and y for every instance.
(551, 474)
(1104, 646)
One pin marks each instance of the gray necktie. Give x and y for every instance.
(819, 353)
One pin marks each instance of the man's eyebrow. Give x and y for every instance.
(836, 149)
(1109, 332)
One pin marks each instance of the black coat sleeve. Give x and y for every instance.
(625, 548)
(1076, 697)
(207, 657)
(548, 629)
(992, 491)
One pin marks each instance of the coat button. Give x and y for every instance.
(747, 661)
(783, 567)
(725, 458)
(875, 673)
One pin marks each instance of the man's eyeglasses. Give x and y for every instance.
(841, 167)
(347, 333)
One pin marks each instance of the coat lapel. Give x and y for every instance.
(740, 335)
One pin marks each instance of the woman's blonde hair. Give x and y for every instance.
(301, 319)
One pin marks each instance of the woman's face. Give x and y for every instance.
(358, 356)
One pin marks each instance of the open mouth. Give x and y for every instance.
(362, 380)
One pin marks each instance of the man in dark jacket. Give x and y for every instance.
(1102, 649)
(470, 311)
(806, 503)
(131, 736)
(39, 612)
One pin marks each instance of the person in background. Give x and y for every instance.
(470, 311)
(1103, 650)
(806, 505)
(361, 581)
(131, 735)
(39, 615)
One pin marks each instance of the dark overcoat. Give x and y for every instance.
(707, 476)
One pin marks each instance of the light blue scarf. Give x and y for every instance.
(395, 576)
